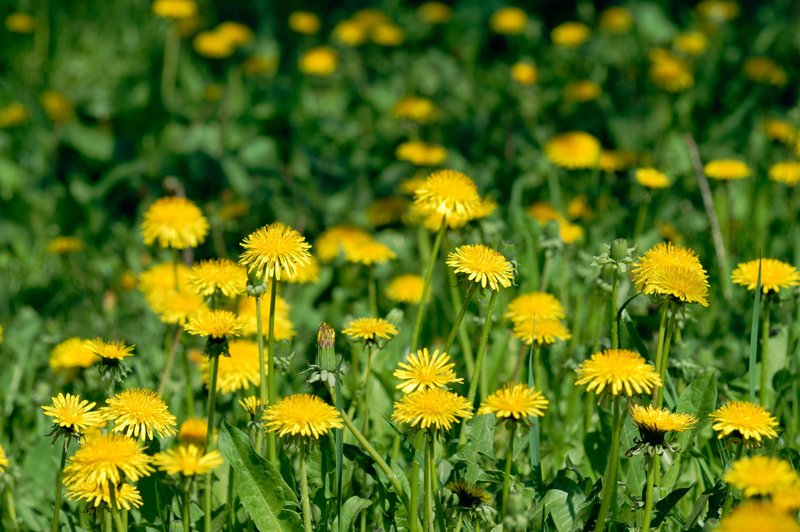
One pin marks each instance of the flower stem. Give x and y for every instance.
(173, 349)
(610, 478)
(762, 392)
(426, 287)
(304, 491)
(429, 483)
(172, 49)
(507, 472)
(212, 399)
(613, 311)
(463, 335)
(112, 490)
(231, 499)
(662, 370)
(367, 379)
(451, 338)
(59, 483)
(187, 385)
(487, 326)
(262, 370)
(11, 507)
(187, 499)
(648, 498)
(273, 392)
(414, 484)
(373, 293)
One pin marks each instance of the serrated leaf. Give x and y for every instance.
(479, 436)
(350, 510)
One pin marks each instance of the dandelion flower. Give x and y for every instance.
(582, 91)
(615, 160)
(162, 278)
(369, 253)
(671, 73)
(482, 265)
(434, 12)
(406, 289)
(570, 34)
(758, 517)
(109, 351)
(717, 11)
(416, 109)
(385, 211)
(541, 331)
(780, 130)
(421, 154)
(448, 193)
(174, 222)
(284, 329)
(64, 245)
(387, 34)
(692, 43)
(573, 150)
(787, 172)
(535, 305)
(252, 405)
(760, 475)
(306, 273)
(304, 22)
(187, 461)
(126, 495)
(214, 324)
(108, 458)
(616, 20)
(236, 32)
(139, 413)
(350, 33)
(745, 420)
(671, 271)
(619, 369)
(14, 114)
(73, 414)
(432, 407)
(333, 241)
(654, 423)
(516, 401)
(569, 233)
(237, 371)
(651, 178)
(176, 306)
(208, 276)
(524, 73)
(469, 496)
(422, 371)
(303, 415)
(71, 354)
(319, 61)
(275, 250)
(764, 70)
(786, 498)
(726, 170)
(213, 44)
(20, 22)
(194, 430)
(175, 9)
(370, 329)
(775, 275)
(3, 460)
(508, 21)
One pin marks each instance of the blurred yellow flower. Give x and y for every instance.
(385, 211)
(573, 150)
(333, 240)
(405, 289)
(582, 91)
(434, 12)
(758, 516)
(779, 130)
(370, 17)
(368, 253)
(387, 34)
(541, 330)
(58, 108)
(787, 172)
(304, 22)
(64, 245)
(237, 33)
(670, 73)
(421, 154)
(71, 354)
(284, 329)
(194, 430)
(616, 20)
(175, 222)
(524, 73)
(717, 11)
(615, 160)
(651, 178)
(237, 371)
(570, 34)
(13, 114)
(691, 43)
(174, 9)
(305, 273)
(350, 33)
(764, 70)
(760, 475)
(176, 306)
(416, 109)
(508, 21)
(213, 44)
(19, 22)
(260, 65)
(578, 208)
(319, 61)
(726, 169)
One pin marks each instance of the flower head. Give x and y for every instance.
(194, 430)
(524, 73)
(370, 329)
(126, 495)
(619, 369)
(71, 354)
(671, 271)
(516, 401)
(787, 172)
(541, 331)
(535, 305)
(72, 414)
(139, 413)
(252, 405)
(584, 90)
(214, 324)
(727, 170)
(651, 178)
(775, 275)
(616, 20)
(237, 371)
(570, 34)
(368, 253)
(63, 245)
(508, 21)
(175, 9)
(405, 289)
(109, 351)
(187, 460)
(176, 306)
(421, 154)
(319, 61)
(692, 43)
(336, 239)
(670, 73)
(758, 517)
(654, 423)
(760, 475)
(306, 273)
(421, 371)
(469, 496)
(482, 265)
(107, 458)
(223, 275)
(449, 194)
(274, 250)
(434, 12)
(573, 150)
(350, 33)
(744, 420)
(304, 22)
(174, 222)
(432, 407)
(303, 415)
(416, 109)
(213, 44)
(764, 70)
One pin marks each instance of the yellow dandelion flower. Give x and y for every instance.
(350, 33)
(787, 498)
(3, 460)
(543, 212)
(194, 430)
(654, 423)
(175, 9)
(370, 329)
(578, 207)
(252, 405)
(541, 331)
(72, 413)
(405, 289)
(775, 275)
(386, 211)
(524, 73)
(615, 160)
(307, 273)
(508, 21)
(780, 130)
(760, 475)
(139, 413)
(57, 107)
(421, 371)
(764, 70)
(369, 253)
(20, 22)
(670, 73)
(570, 34)
(573, 150)
(303, 415)
(387, 34)
(332, 241)
(619, 369)
(482, 265)
(434, 12)
(432, 407)
(107, 458)
(71, 354)
(236, 32)
(319, 61)
(535, 305)
(274, 250)
(692, 43)
(255, 65)
(416, 109)
(215, 324)
(421, 153)
(238, 371)
(213, 45)
(176, 306)
(469, 496)
(369, 18)
(756, 516)
(126, 495)
(717, 11)
(174, 222)
(671, 271)
(727, 169)
(516, 401)
(208, 276)
(616, 20)
(787, 172)
(651, 178)
(745, 420)
(162, 278)
(187, 461)
(63, 245)
(448, 193)
(284, 329)
(568, 232)
(14, 114)
(582, 91)
(304, 22)
(109, 350)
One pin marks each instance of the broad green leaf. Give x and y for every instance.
(665, 505)
(262, 491)
(350, 510)
(91, 142)
(479, 435)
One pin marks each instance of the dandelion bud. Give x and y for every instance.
(619, 250)
(326, 357)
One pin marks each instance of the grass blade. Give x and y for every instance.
(754, 335)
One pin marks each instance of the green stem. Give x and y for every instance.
(172, 46)
(231, 499)
(762, 393)
(641, 216)
(108, 525)
(459, 520)
(662, 370)
(451, 338)
(662, 332)
(463, 334)
(304, 491)
(548, 264)
(187, 385)
(487, 326)
(262, 389)
(187, 499)
(648, 498)
(426, 287)
(610, 478)
(538, 369)
(112, 491)
(59, 483)
(429, 483)
(613, 311)
(273, 392)
(212, 399)
(507, 472)
(173, 349)
(373, 293)
(11, 508)
(414, 483)
(367, 379)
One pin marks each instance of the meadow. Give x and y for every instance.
(412, 266)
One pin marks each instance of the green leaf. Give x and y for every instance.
(754, 335)
(350, 510)
(665, 505)
(479, 435)
(91, 142)
(562, 504)
(263, 492)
